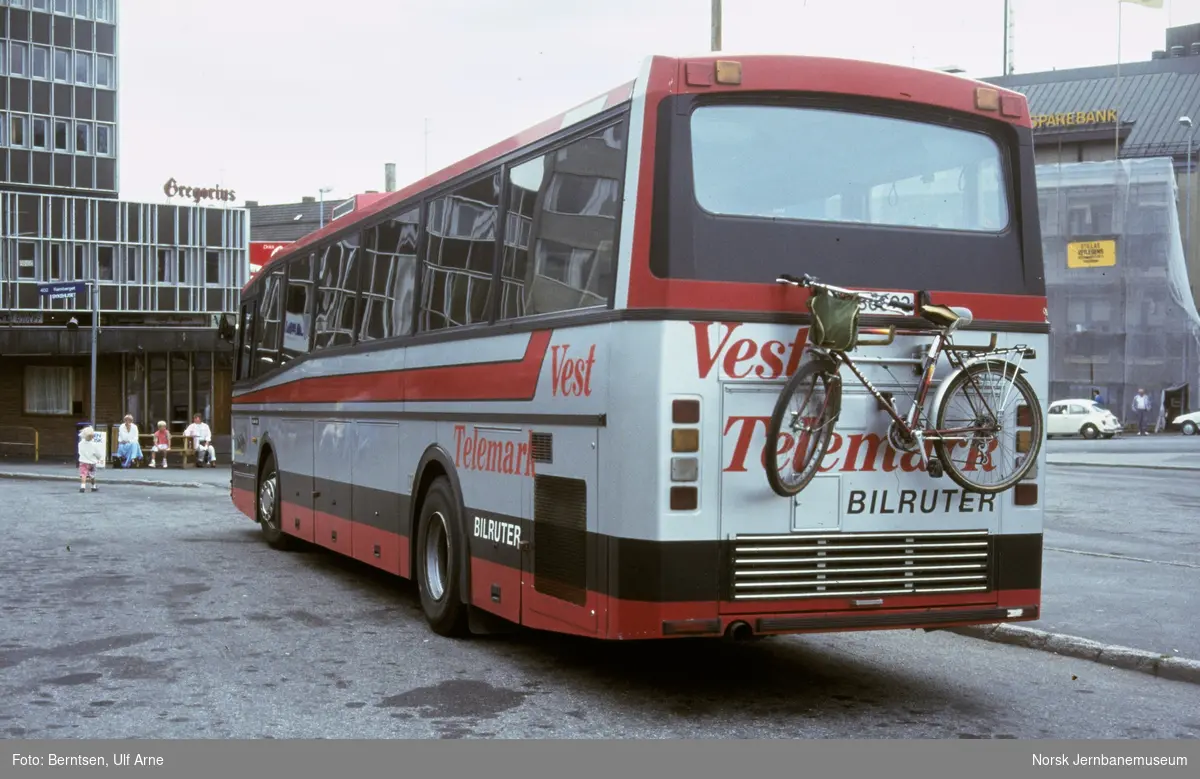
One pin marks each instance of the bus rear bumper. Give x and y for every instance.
(774, 623)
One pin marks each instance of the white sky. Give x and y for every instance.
(276, 98)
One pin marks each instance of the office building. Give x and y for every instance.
(167, 274)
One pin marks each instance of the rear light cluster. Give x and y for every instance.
(1026, 491)
(685, 441)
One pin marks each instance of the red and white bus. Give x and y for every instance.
(539, 381)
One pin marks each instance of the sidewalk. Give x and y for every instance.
(1158, 461)
(206, 478)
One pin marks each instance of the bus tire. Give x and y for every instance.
(440, 541)
(821, 370)
(268, 506)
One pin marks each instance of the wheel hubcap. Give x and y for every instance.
(437, 556)
(266, 500)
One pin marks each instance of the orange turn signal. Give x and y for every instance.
(685, 439)
(987, 99)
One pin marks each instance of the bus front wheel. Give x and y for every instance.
(270, 509)
(439, 541)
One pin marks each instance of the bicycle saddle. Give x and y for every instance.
(952, 317)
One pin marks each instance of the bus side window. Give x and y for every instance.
(389, 274)
(337, 294)
(266, 353)
(560, 248)
(460, 255)
(297, 309)
(246, 340)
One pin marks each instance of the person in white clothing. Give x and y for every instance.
(128, 447)
(1141, 407)
(91, 457)
(202, 438)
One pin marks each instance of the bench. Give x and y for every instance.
(182, 453)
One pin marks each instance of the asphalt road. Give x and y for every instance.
(158, 613)
(1121, 562)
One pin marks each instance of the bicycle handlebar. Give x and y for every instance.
(807, 281)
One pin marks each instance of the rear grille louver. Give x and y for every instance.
(854, 565)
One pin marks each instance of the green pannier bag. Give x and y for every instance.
(835, 321)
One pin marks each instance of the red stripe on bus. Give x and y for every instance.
(617, 618)
(728, 297)
(509, 380)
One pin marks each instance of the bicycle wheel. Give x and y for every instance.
(805, 412)
(989, 395)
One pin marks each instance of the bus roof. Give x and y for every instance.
(754, 72)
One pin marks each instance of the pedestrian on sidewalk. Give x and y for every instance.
(162, 443)
(128, 448)
(202, 436)
(1098, 398)
(1141, 407)
(91, 456)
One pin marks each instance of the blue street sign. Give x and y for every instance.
(62, 291)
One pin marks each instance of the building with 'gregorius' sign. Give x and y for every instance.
(167, 273)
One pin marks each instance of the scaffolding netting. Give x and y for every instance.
(1121, 307)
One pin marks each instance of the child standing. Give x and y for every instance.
(91, 454)
(162, 443)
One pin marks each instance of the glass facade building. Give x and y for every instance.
(166, 275)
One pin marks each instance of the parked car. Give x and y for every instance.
(1083, 417)
(1189, 424)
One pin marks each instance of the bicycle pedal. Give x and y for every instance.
(935, 469)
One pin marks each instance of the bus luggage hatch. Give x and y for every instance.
(748, 504)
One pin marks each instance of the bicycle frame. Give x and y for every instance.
(940, 343)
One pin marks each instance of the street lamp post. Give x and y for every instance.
(95, 289)
(716, 25)
(322, 192)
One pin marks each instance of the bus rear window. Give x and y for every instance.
(815, 164)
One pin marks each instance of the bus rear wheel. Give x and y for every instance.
(438, 560)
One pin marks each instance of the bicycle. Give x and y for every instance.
(834, 333)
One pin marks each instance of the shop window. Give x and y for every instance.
(49, 390)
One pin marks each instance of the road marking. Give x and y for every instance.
(1123, 557)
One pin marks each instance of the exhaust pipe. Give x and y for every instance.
(739, 631)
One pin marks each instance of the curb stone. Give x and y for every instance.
(1093, 464)
(134, 482)
(1176, 669)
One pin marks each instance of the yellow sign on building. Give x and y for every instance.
(1092, 254)
(1074, 118)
